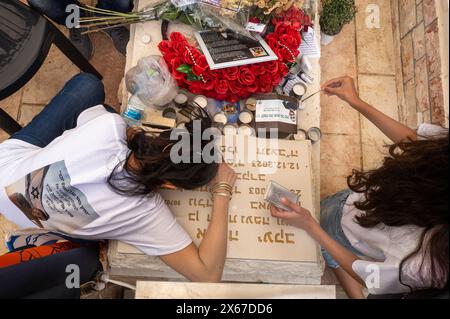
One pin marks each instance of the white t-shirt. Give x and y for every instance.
(63, 187)
(387, 246)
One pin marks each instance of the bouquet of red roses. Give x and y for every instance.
(190, 68)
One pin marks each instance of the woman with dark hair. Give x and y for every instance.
(102, 179)
(389, 232)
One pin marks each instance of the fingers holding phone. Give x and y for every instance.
(296, 216)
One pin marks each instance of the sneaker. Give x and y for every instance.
(120, 37)
(82, 42)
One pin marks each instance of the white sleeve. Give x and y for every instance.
(427, 130)
(157, 233)
(90, 114)
(380, 277)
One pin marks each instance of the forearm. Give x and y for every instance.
(339, 253)
(213, 248)
(393, 129)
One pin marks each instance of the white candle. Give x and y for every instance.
(180, 99)
(220, 118)
(314, 134)
(229, 130)
(201, 101)
(299, 89)
(245, 117)
(245, 130)
(251, 104)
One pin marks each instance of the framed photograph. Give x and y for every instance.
(227, 49)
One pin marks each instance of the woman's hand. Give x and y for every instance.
(344, 88)
(297, 216)
(225, 174)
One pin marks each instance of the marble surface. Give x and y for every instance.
(181, 290)
(375, 45)
(379, 91)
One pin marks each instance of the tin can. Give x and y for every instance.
(298, 90)
(314, 134)
(200, 101)
(301, 135)
(229, 129)
(250, 104)
(220, 118)
(246, 130)
(180, 100)
(169, 113)
(245, 117)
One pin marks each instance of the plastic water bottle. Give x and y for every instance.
(134, 111)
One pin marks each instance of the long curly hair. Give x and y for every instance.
(152, 156)
(411, 188)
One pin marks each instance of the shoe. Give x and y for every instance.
(120, 37)
(82, 42)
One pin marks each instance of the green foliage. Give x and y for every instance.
(335, 14)
(187, 69)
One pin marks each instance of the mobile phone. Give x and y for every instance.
(275, 192)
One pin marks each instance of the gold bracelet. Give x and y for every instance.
(221, 188)
(222, 184)
(223, 195)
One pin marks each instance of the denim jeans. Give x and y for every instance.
(80, 93)
(56, 9)
(331, 210)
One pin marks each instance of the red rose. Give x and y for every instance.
(296, 25)
(231, 74)
(254, 20)
(179, 48)
(177, 37)
(272, 41)
(221, 86)
(208, 85)
(288, 55)
(220, 97)
(174, 64)
(290, 41)
(252, 88)
(165, 47)
(195, 87)
(246, 77)
(280, 28)
(187, 58)
(233, 98)
(278, 53)
(266, 82)
(271, 67)
(276, 79)
(258, 68)
(282, 69)
(201, 65)
(235, 87)
(169, 56)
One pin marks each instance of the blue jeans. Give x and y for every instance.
(56, 9)
(331, 210)
(80, 93)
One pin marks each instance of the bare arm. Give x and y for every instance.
(206, 262)
(302, 218)
(344, 88)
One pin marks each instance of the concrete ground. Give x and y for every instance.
(349, 140)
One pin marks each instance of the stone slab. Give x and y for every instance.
(183, 290)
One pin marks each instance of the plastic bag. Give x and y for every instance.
(225, 18)
(152, 82)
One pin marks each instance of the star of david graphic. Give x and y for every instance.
(35, 193)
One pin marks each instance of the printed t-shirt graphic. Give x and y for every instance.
(48, 199)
